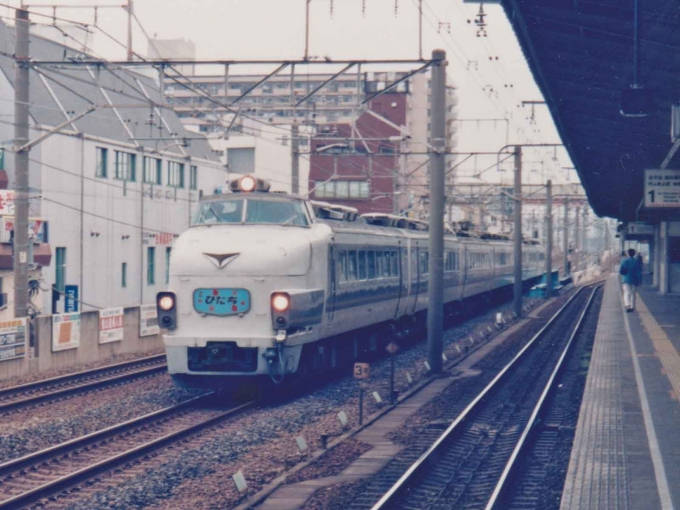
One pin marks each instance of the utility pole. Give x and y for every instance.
(307, 29)
(420, 29)
(295, 154)
(548, 238)
(435, 288)
(518, 232)
(130, 12)
(577, 237)
(21, 133)
(565, 238)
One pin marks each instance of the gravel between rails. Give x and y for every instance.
(197, 473)
(33, 429)
(118, 358)
(543, 469)
(420, 430)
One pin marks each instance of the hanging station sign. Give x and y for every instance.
(662, 188)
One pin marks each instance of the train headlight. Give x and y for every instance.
(247, 183)
(166, 303)
(280, 302)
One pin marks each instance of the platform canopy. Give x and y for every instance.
(582, 54)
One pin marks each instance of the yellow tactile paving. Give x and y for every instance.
(667, 353)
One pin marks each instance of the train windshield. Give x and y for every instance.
(251, 211)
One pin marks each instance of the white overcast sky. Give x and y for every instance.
(258, 29)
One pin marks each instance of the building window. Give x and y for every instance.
(175, 174)
(151, 266)
(241, 160)
(60, 270)
(152, 170)
(167, 264)
(123, 275)
(102, 162)
(126, 166)
(342, 189)
(193, 177)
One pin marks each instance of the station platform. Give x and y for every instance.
(626, 451)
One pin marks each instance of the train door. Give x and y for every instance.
(415, 275)
(332, 284)
(400, 270)
(464, 265)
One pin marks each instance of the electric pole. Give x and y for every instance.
(577, 237)
(21, 133)
(518, 232)
(130, 12)
(548, 238)
(295, 155)
(565, 238)
(435, 288)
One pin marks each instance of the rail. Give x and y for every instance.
(76, 477)
(390, 498)
(47, 389)
(510, 468)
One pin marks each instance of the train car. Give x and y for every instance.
(267, 284)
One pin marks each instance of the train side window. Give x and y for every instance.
(395, 263)
(387, 264)
(342, 266)
(414, 263)
(456, 262)
(362, 265)
(370, 259)
(424, 262)
(352, 265)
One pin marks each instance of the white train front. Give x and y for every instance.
(266, 284)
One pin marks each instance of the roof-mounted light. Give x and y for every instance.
(248, 184)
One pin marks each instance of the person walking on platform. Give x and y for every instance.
(632, 277)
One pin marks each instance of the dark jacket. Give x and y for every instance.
(633, 271)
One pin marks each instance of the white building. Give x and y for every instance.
(115, 186)
(267, 153)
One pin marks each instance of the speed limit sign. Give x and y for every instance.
(362, 370)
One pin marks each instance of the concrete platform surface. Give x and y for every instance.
(626, 452)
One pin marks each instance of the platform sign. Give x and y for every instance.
(662, 188)
(71, 299)
(111, 325)
(362, 370)
(148, 320)
(640, 229)
(13, 339)
(65, 331)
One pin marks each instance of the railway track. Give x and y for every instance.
(473, 462)
(15, 397)
(53, 471)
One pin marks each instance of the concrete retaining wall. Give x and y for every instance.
(40, 358)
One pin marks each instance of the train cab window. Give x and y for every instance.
(370, 259)
(342, 266)
(276, 212)
(395, 263)
(352, 265)
(362, 265)
(378, 264)
(227, 211)
(384, 264)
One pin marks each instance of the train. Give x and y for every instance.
(266, 284)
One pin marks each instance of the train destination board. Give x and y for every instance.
(662, 188)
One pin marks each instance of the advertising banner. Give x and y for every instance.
(111, 325)
(65, 331)
(148, 320)
(13, 339)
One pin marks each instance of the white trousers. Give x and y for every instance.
(629, 295)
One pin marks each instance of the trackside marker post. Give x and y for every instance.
(342, 416)
(302, 444)
(240, 482)
(361, 371)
